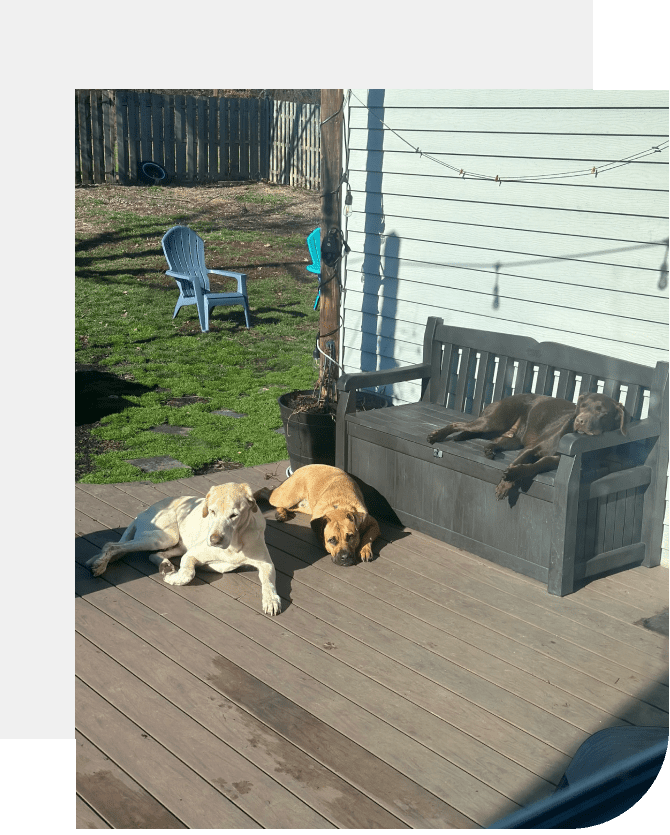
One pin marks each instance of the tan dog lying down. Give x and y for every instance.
(335, 502)
(232, 536)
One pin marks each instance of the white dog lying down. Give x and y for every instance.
(232, 536)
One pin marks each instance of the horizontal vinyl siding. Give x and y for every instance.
(574, 260)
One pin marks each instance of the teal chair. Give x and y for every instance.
(185, 253)
(314, 247)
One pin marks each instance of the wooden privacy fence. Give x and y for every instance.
(295, 144)
(195, 138)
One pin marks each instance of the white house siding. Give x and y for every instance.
(578, 259)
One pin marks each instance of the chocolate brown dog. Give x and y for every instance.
(536, 422)
(335, 502)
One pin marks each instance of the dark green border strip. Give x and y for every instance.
(630, 49)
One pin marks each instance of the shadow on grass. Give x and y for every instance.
(101, 393)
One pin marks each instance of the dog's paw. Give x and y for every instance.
(503, 488)
(366, 553)
(271, 604)
(490, 452)
(431, 437)
(283, 515)
(98, 566)
(166, 567)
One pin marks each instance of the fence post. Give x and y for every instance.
(224, 135)
(213, 138)
(265, 138)
(190, 138)
(122, 136)
(108, 133)
(234, 129)
(201, 132)
(145, 127)
(84, 114)
(97, 149)
(77, 160)
(157, 154)
(134, 148)
(168, 135)
(180, 137)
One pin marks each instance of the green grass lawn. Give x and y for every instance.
(124, 326)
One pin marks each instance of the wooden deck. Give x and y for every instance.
(427, 689)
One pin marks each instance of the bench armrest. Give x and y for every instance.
(573, 443)
(368, 379)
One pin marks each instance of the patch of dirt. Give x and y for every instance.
(299, 403)
(217, 467)
(233, 204)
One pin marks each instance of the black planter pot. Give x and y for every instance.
(310, 438)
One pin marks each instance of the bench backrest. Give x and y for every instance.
(472, 368)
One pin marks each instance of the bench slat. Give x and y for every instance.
(463, 378)
(485, 363)
(542, 379)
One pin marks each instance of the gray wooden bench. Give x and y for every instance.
(600, 510)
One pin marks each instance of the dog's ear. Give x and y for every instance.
(624, 418)
(250, 498)
(318, 525)
(356, 518)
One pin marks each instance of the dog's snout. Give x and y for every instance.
(587, 424)
(343, 558)
(219, 540)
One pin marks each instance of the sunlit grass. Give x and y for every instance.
(124, 325)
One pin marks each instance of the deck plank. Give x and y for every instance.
(112, 798)
(239, 676)
(440, 567)
(427, 689)
(374, 598)
(86, 818)
(190, 608)
(248, 787)
(184, 793)
(331, 796)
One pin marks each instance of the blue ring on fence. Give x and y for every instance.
(152, 171)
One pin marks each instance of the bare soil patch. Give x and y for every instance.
(239, 205)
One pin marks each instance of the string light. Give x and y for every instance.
(530, 177)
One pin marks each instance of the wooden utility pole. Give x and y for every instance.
(331, 191)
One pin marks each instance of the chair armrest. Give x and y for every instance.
(241, 279)
(367, 379)
(573, 443)
(182, 276)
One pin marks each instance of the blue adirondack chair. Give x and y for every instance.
(314, 246)
(185, 253)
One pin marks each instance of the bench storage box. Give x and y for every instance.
(600, 510)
